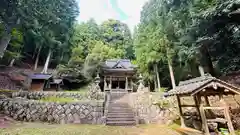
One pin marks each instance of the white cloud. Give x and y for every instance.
(102, 10)
(133, 9)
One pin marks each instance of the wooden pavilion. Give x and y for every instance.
(117, 75)
(45, 82)
(39, 81)
(200, 89)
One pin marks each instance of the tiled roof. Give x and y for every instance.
(118, 64)
(193, 85)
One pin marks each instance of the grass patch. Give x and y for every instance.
(7, 91)
(59, 99)
(44, 129)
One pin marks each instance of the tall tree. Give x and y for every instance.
(9, 18)
(118, 35)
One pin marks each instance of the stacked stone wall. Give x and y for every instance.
(62, 113)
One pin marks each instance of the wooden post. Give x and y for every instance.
(131, 85)
(126, 84)
(227, 115)
(110, 83)
(118, 79)
(105, 83)
(207, 101)
(180, 112)
(197, 105)
(203, 117)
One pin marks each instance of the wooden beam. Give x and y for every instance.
(180, 112)
(188, 105)
(227, 115)
(197, 103)
(229, 121)
(207, 101)
(203, 117)
(220, 120)
(213, 108)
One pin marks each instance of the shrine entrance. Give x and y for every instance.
(119, 83)
(117, 75)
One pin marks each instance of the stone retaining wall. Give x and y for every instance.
(30, 110)
(147, 111)
(40, 95)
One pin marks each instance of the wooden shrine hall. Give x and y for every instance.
(117, 75)
(200, 89)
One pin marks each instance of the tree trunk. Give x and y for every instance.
(209, 63)
(206, 57)
(171, 73)
(37, 58)
(11, 63)
(34, 53)
(158, 79)
(201, 70)
(155, 83)
(47, 62)
(4, 43)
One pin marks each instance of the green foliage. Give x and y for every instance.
(224, 131)
(15, 46)
(99, 54)
(58, 99)
(118, 36)
(188, 33)
(93, 44)
(44, 24)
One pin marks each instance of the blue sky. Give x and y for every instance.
(128, 11)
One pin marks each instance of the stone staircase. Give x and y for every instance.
(119, 112)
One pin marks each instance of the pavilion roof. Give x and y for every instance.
(41, 76)
(195, 85)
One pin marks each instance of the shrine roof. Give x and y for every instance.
(118, 65)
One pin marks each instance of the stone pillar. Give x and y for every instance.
(140, 86)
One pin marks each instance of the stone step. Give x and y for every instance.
(113, 114)
(121, 119)
(120, 111)
(118, 104)
(120, 123)
(120, 116)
